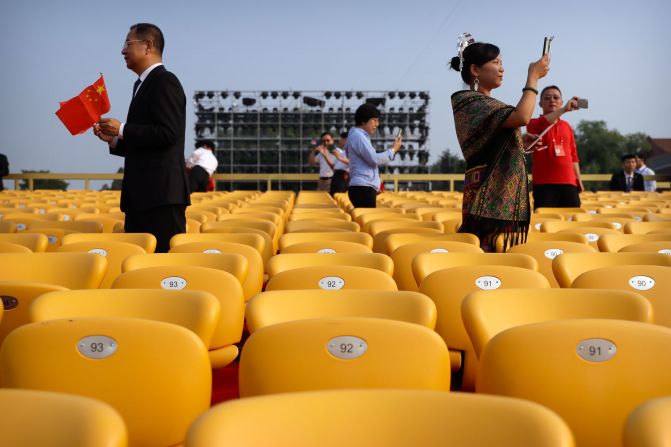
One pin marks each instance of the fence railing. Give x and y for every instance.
(663, 181)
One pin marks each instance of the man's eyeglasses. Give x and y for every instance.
(127, 43)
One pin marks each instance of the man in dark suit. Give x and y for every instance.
(4, 169)
(627, 179)
(154, 192)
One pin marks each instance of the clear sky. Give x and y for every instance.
(615, 53)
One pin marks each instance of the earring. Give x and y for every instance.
(476, 84)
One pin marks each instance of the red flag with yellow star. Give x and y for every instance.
(81, 112)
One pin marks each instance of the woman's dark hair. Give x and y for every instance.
(364, 113)
(477, 53)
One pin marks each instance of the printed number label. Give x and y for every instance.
(538, 226)
(665, 251)
(41, 211)
(66, 217)
(617, 225)
(52, 239)
(596, 350)
(439, 250)
(326, 251)
(212, 251)
(97, 346)
(347, 347)
(592, 237)
(488, 282)
(20, 226)
(331, 283)
(642, 282)
(173, 283)
(553, 253)
(99, 251)
(9, 302)
(594, 211)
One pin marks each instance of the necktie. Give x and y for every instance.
(628, 187)
(136, 85)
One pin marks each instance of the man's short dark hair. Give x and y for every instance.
(627, 157)
(324, 134)
(364, 113)
(147, 31)
(641, 156)
(550, 87)
(344, 135)
(208, 144)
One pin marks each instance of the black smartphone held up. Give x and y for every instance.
(583, 103)
(400, 133)
(546, 44)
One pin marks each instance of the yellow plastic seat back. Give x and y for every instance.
(663, 247)
(404, 255)
(592, 373)
(426, 263)
(338, 353)
(8, 247)
(270, 308)
(569, 266)
(312, 225)
(327, 246)
(396, 240)
(283, 262)
(535, 236)
(421, 415)
(448, 288)
(253, 282)
(71, 270)
(195, 310)
(146, 241)
(331, 278)
(58, 420)
(646, 227)
(650, 281)
(224, 286)
(486, 314)
(545, 251)
(155, 374)
(648, 424)
(36, 242)
(288, 239)
(114, 252)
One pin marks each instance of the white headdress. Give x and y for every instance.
(464, 40)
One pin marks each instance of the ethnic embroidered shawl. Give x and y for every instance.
(496, 198)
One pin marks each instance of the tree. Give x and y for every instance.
(448, 163)
(43, 183)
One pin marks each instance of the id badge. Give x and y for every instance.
(559, 149)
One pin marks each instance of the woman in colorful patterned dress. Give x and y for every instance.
(496, 199)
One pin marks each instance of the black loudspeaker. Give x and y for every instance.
(248, 101)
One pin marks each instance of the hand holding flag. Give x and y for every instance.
(81, 112)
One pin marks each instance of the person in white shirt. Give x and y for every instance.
(201, 164)
(340, 179)
(641, 168)
(320, 156)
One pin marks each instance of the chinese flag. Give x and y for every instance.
(81, 112)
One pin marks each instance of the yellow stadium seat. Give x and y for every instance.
(356, 212)
(269, 246)
(71, 225)
(448, 288)
(8, 247)
(51, 419)
(396, 240)
(366, 219)
(646, 227)
(224, 286)
(337, 353)
(663, 247)
(379, 226)
(591, 372)
(283, 262)
(109, 224)
(593, 234)
(390, 418)
(274, 307)
(560, 225)
(650, 281)
(155, 374)
(312, 225)
(114, 252)
(146, 241)
(648, 424)
(327, 246)
(404, 255)
(320, 215)
(380, 239)
(545, 251)
(616, 242)
(332, 277)
(559, 210)
(289, 239)
(486, 314)
(569, 266)
(196, 310)
(71, 270)
(260, 224)
(534, 236)
(7, 227)
(426, 263)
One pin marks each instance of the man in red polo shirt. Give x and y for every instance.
(556, 167)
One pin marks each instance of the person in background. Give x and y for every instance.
(627, 179)
(340, 179)
(641, 168)
(320, 156)
(202, 163)
(496, 198)
(364, 183)
(4, 168)
(556, 167)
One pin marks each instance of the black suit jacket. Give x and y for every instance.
(4, 168)
(619, 183)
(153, 145)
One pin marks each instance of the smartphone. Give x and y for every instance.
(583, 103)
(400, 133)
(546, 44)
